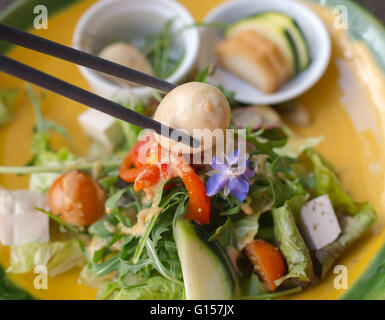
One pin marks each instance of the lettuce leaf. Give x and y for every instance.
(291, 243)
(7, 98)
(41, 182)
(353, 227)
(154, 288)
(327, 183)
(245, 229)
(252, 286)
(58, 257)
(296, 144)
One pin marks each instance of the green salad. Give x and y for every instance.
(178, 230)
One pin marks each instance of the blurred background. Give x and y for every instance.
(377, 7)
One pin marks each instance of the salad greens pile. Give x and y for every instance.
(131, 253)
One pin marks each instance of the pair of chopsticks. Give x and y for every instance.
(44, 80)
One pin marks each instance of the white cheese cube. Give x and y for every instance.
(20, 223)
(318, 223)
(102, 128)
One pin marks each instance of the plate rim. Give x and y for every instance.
(370, 284)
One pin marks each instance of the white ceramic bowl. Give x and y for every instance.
(125, 20)
(313, 28)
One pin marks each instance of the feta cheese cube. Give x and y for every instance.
(20, 223)
(102, 128)
(318, 223)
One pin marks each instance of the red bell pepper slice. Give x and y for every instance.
(199, 204)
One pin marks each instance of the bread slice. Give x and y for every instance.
(256, 59)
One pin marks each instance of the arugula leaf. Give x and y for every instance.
(280, 187)
(291, 243)
(40, 139)
(221, 229)
(107, 290)
(162, 51)
(353, 227)
(112, 201)
(158, 264)
(100, 229)
(267, 141)
(7, 98)
(151, 224)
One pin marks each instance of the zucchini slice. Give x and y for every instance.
(295, 32)
(277, 33)
(208, 273)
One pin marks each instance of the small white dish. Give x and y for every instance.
(313, 28)
(132, 19)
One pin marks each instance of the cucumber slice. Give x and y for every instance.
(208, 273)
(296, 34)
(275, 32)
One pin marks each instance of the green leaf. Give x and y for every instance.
(112, 201)
(353, 227)
(155, 288)
(7, 98)
(203, 75)
(142, 243)
(245, 229)
(106, 267)
(158, 264)
(252, 286)
(40, 139)
(296, 144)
(41, 182)
(274, 295)
(291, 243)
(327, 183)
(11, 291)
(163, 52)
(58, 257)
(220, 230)
(130, 131)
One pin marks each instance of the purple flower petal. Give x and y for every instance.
(216, 183)
(248, 174)
(239, 187)
(218, 164)
(234, 157)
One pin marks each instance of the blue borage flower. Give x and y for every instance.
(232, 175)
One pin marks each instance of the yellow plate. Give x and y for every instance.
(346, 107)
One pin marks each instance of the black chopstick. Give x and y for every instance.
(30, 41)
(92, 100)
